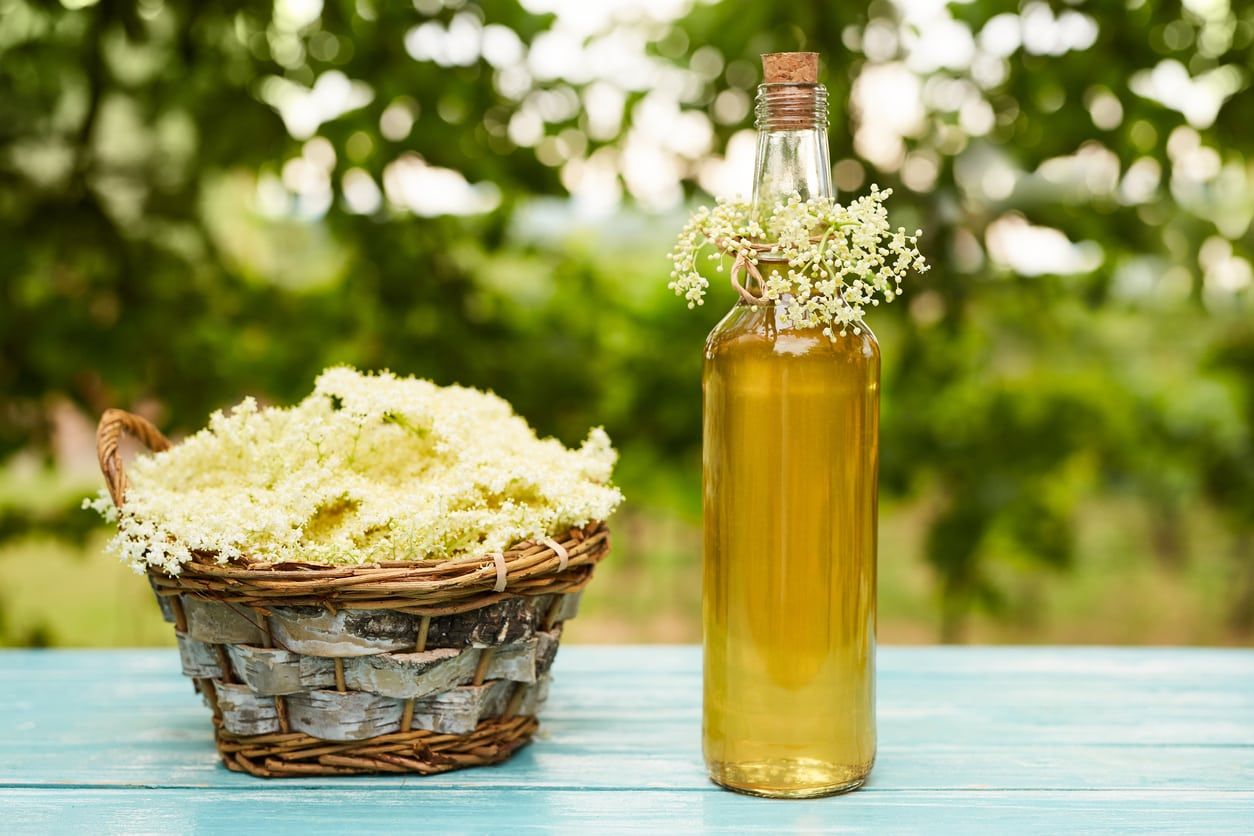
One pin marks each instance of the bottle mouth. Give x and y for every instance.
(790, 106)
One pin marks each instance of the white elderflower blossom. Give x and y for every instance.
(825, 262)
(368, 468)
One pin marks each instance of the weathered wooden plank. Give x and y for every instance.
(406, 675)
(458, 710)
(217, 623)
(963, 721)
(355, 806)
(268, 670)
(352, 715)
(244, 712)
(315, 631)
(198, 660)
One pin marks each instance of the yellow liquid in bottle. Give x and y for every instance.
(791, 432)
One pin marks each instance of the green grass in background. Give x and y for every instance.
(58, 593)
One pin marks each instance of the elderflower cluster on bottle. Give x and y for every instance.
(368, 468)
(822, 263)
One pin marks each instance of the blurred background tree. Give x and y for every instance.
(202, 201)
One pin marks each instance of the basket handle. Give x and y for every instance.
(113, 423)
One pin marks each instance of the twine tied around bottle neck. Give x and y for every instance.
(742, 266)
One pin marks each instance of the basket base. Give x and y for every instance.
(423, 752)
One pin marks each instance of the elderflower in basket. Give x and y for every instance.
(368, 468)
(372, 580)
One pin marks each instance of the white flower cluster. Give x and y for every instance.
(368, 468)
(824, 262)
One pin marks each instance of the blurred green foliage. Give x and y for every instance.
(179, 227)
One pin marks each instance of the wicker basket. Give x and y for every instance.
(393, 667)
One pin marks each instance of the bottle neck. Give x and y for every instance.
(792, 153)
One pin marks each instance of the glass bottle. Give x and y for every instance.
(790, 456)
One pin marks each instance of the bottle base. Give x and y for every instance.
(792, 778)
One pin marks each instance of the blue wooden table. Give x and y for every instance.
(1003, 740)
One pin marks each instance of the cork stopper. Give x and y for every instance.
(791, 98)
(790, 68)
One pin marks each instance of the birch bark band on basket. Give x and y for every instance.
(402, 666)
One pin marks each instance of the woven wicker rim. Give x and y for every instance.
(557, 565)
(293, 755)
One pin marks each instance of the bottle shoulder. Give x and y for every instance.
(752, 330)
